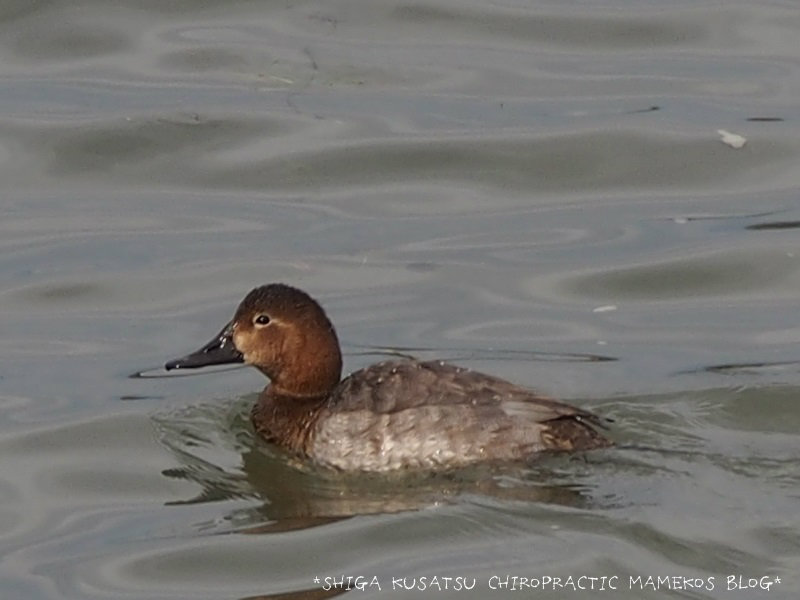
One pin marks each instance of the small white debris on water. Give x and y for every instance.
(734, 140)
(602, 343)
(681, 220)
(605, 308)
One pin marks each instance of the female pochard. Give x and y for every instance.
(399, 414)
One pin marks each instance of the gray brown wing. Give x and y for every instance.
(464, 415)
(399, 385)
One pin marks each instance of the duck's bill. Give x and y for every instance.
(219, 351)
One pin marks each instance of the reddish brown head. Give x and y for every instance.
(284, 333)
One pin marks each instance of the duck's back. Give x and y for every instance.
(411, 414)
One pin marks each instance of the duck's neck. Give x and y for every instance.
(287, 420)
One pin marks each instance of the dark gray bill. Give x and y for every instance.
(219, 351)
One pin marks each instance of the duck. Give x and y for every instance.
(395, 415)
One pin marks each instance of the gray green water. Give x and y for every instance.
(515, 186)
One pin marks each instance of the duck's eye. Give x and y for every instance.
(261, 320)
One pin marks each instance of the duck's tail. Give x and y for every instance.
(574, 433)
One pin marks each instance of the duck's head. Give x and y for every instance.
(284, 333)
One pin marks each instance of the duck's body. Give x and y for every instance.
(393, 415)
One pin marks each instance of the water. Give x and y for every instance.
(534, 190)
